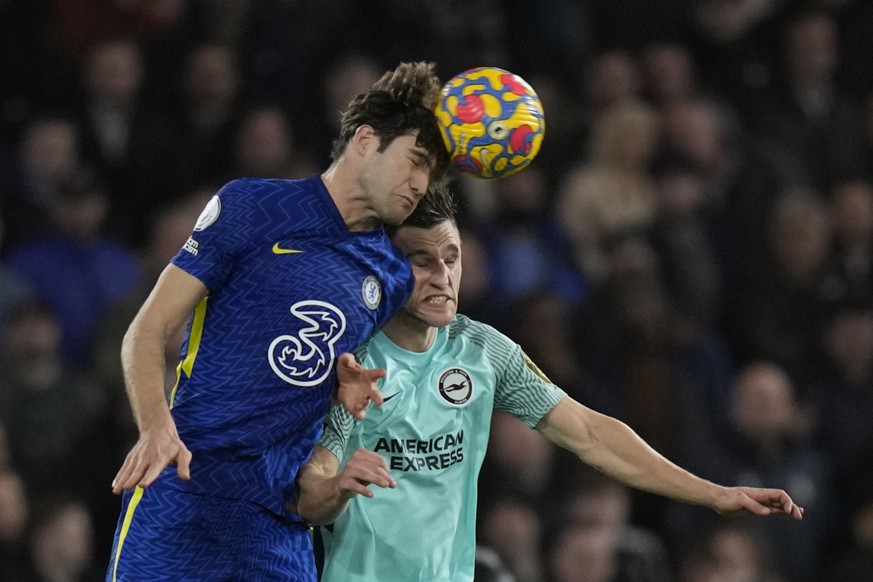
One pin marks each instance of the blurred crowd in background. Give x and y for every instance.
(691, 252)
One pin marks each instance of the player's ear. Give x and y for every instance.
(365, 137)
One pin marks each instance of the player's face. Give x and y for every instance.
(435, 255)
(396, 178)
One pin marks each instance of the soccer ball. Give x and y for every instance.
(491, 121)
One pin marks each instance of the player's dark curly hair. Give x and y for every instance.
(435, 208)
(400, 102)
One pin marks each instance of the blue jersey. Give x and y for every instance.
(290, 288)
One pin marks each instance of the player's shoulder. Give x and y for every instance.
(266, 204)
(477, 332)
(261, 189)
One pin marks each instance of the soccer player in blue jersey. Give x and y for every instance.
(277, 279)
(426, 443)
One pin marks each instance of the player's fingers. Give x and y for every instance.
(119, 483)
(347, 360)
(366, 456)
(370, 467)
(376, 396)
(183, 464)
(372, 476)
(374, 374)
(122, 472)
(755, 506)
(358, 488)
(152, 471)
(128, 482)
(795, 511)
(128, 475)
(782, 503)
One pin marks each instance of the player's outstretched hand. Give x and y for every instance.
(757, 501)
(364, 468)
(151, 454)
(357, 385)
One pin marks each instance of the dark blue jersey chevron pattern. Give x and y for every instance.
(290, 288)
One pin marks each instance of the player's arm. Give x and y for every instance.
(613, 448)
(324, 493)
(172, 300)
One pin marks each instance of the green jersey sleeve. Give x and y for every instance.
(338, 427)
(522, 389)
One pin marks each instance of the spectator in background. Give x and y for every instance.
(612, 77)
(61, 541)
(520, 463)
(585, 552)
(852, 557)
(210, 99)
(14, 516)
(658, 370)
(274, 42)
(75, 269)
(47, 155)
(865, 122)
(777, 313)
(167, 234)
(266, 145)
(46, 406)
(13, 289)
(612, 191)
(569, 125)
(850, 262)
(514, 530)
(347, 76)
(732, 552)
(739, 178)
(544, 325)
(679, 236)
(733, 41)
(23, 65)
(597, 508)
(123, 135)
(841, 384)
(669, 72)
(489, 566)
(5, 453)
(475, 296)
(810, 117)
(526, 247)
(769, 440)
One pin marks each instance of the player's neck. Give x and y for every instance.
(344, 191)
(409, 333)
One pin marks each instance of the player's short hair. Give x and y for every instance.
(436, 207)
(399, 103)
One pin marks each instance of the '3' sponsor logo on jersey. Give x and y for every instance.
(307, 357)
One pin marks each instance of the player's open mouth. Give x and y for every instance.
(437, 299)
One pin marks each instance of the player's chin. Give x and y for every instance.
(401, 212)
(438, 315)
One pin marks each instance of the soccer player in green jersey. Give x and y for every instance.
(426, 443)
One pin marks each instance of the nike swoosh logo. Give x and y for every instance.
(280, 251)
(387, 398)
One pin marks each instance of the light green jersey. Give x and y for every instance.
(433, 432)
